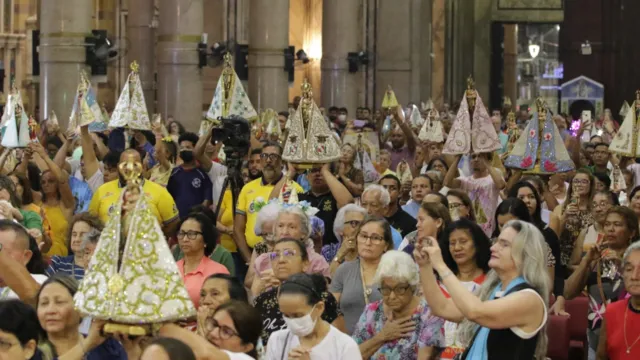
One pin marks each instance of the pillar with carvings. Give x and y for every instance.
(268, 37)
(64, 24)
(340, 35)
(179, 78)
(140, 34)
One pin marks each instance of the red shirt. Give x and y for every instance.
(193, 281)
(614, 316)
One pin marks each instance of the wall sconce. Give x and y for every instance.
(534, 50)
(355, 59)
(585, 48)
(301, 55)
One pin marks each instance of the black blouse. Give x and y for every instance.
(272, 321)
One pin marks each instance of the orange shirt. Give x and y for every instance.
(194, 280)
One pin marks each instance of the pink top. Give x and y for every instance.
(194, 280)
(317, 262)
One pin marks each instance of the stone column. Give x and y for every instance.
(340, 35)
(64, 24)
(268, 37)
(510, 73)
(179, 78)
(142, 46)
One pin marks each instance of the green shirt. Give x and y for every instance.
(31, 219)
(219, 255)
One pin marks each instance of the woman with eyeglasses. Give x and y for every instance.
(460, 205)
(308, 335)
(294, 223)
(353, 284)
(574, 215)
(197, 240)
(601, 203)
(290, 257)
(401, 325)
(345, 227)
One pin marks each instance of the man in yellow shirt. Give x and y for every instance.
(161, 203)
(263, 187)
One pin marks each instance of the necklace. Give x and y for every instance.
(624, 329)
(366, 290)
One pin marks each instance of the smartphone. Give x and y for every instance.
(359, 123)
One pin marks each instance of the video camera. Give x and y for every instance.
(234, 132)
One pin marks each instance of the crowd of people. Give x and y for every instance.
(429, 256)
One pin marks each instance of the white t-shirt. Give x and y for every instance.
(335, 346)
(8, 294)
(238, 356)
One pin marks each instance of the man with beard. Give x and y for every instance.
(189, 184)
(255, 164)
(328, 195)
(259, 189)
(105, 199)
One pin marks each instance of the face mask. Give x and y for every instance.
(301, 326)
(342, 117)
(186, 155)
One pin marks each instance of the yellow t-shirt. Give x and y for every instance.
(161, 203)
(226, 208)
(249, 193)
(57, 230)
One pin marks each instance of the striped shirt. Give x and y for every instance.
(65, 265)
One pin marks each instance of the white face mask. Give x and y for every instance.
(342, 117)
(301, 326)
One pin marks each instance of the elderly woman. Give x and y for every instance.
(620, 328)
(81, 225)
(265, 224)
(353, 284)
(345, 227)
(292, 222)
(600, 269)
(510, 310)
(601, 203)
(290, 257)
(401, 325)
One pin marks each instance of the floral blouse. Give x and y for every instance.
(572, 228)
(272, 321)
(428, 332)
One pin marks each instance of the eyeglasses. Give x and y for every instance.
(191, 234)
(455, 205)
(286, 254)
(272, 157)
(225, 332)
(353, 223)
(581, 181)
(398, 290)
(375, 239)
(314, 171)
(601, 204)
(269, 237)
(6, 345)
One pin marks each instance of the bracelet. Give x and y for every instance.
(446, 275)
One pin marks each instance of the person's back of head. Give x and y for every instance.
(20, 329)
(167, 348)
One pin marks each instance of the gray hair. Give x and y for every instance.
(305, 222)
(528, 253)
(338, 224)
(268, 213)
(385, 199)
(635, 246)
(91, 237)
(399, 266)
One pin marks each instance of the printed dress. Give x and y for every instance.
(428, 332)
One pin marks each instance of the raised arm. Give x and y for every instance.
(66, 195)
(412, 139)
(450, 178)
(91, 164)
(199, 151)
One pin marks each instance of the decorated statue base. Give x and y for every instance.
(127, 329)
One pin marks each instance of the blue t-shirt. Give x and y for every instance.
(65, 265)
(397, 238)
(189, 188)
(82, 193)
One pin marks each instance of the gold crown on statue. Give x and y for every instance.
(309, 141)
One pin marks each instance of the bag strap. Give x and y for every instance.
(284, 347)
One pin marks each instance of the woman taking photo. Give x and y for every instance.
(197, 239)
(288, 258)
(466, 251)
(353, 284)
(351, 177)
(507, 318)
(401, 325)
(74, 264)
(308, 336)
(345, 226)
(620, 328)
(600, 269)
